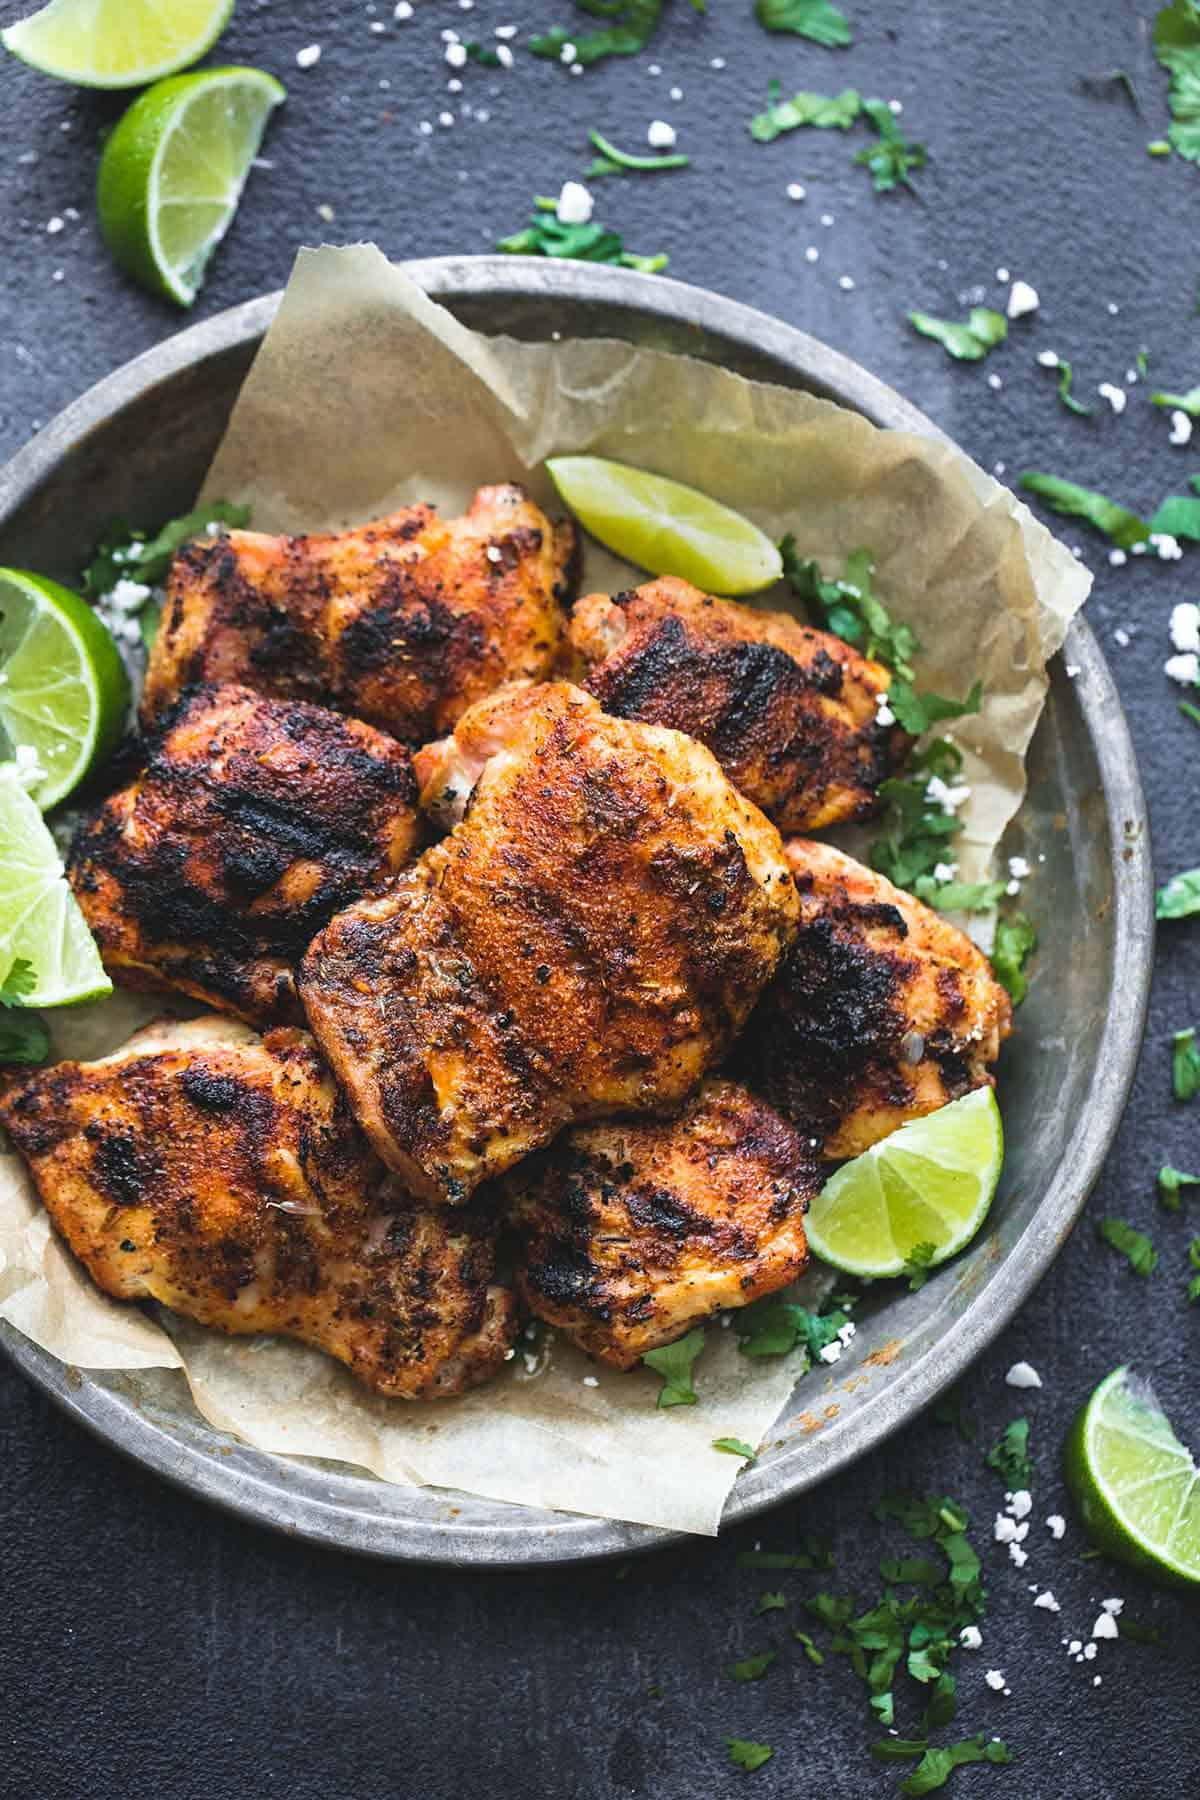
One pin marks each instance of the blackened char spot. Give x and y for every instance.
(121, 1172)
(212, 1093)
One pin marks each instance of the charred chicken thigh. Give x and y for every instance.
(251, 823)
(631, 1231)
(404, 622)
(790, 713)
(222, 1175)
(587, 942)
(882, 1011)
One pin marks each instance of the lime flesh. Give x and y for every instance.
(665, 527)
(930, 1183)
(40, 922)
(173, 171)
(117, 43)
(64, 692)
(1137, 1487)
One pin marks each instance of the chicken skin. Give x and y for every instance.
(632, 1231)
(790, 713)
(251, 824)
(882, 1011)
(221, 1174)
(404, 622)
(587, 942)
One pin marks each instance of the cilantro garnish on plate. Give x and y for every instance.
(774, 1327)
(1135, 1246)
(125, 553)
(546, 235)
(815, 19)
(894, 156)
(916, 1265)
(1016, 940)
(674, 1363)
(23, 1037)
(735, 1447)
(1009, 1455)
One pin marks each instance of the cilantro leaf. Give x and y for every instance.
(745, 1755)
(892, 158)
(852, 610)
(1134, 1245)
(1180, 897)
(636, 23)
(751, 1668)
(1122, 527)
(770, 1602)
(612, 161)
(1177, 46)
(483, 54)
(917, 712)
(1186, 403)
(1170, 1181)
(775, 1327)
(125, 552)
(939, 1763)
(1066, 376)
(815, 19)
(959, 896)
(735, 1447)
(916, 1265)
(674, 1363)
(546, 235)
(981, 333)
(19, 982)
(1179, 517)
(1015, 943)
(23, 1037)
(1193, 1287)
(1009, 1455)
(826, 112)
(810, 1649)
(1185, 1065)
(814, 1555)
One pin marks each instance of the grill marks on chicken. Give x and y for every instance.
(252, 822)
(222, 1175)
(790, 713)
(588, 941)
(404, 622)
(632, 1231)
(882, 1011)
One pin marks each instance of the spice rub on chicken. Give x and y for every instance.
(632, 1231)
(587, 942)
(790, 713)
(404, 622)
(222, 1174)
(881, 1012)
(251, 823)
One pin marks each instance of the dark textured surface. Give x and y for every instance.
(152, 1647)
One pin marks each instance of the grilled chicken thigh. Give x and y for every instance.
(882, 1011)
(404, 622)
(586, 942)
(790, 713)
(633, 1231)
(251, 823)
(222, 1175)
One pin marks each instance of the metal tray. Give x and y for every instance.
(138, 443)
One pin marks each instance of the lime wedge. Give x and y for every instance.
(117, 43)
(173, 171)
(1137, 1487)
(930, 1183)
(64, 692)
(40, 922)
(665, 527)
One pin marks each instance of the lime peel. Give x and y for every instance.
(40, 920)
(117, 43)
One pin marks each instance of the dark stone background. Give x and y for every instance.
(151, 1647)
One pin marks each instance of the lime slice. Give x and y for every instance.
(39, 919)
(929, 1183)
(117, 43)
(173, 171)
(64, 692)
(665, 527)
(1136, 1486)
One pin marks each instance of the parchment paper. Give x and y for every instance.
(366, 396)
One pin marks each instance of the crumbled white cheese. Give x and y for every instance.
(1089, 1650)
(1017, 1555)
(661, 135)
(676, 93)
(1018, 868)
(1185, 625)
(846, 283)
(1047, 1602)
(846, 1332)
(1005, 1530)
(1048, 359)
(591, 1381)
(505, 31)
(1113, 1607)
(1056, 1525)
(1003, 277)
(309, 57)
(403, 11)
(493, 553)
(945, 871)
(445, 120)
(1020, 1503)
(831, 1352)
(1096, 1680)
(1169, 548)
(567, 54)
(54, 225)
(456, 55)
(574, 204)
(1022, 299)
(1115, 396)
(948, 798)
(996, 1680)
(1075, 1647)
(812, 254)
(1023, 1374)
(995, 383)
(1121, 638)
(127, 596)
(795, 191)
(1117, 558)
(1183, 669)
(970, 1637)
(1181, 428)
(504, 56)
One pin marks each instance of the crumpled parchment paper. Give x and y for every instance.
(365, 396)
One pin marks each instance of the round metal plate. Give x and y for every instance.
(138, 444)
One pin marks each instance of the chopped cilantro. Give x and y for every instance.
(814, 1555)
(1016, 941)
(1185, 1065)
(1177, 46)
(917, 712)
(751, 1668)
(1118, 524)
(1190, 712)
(674, 1363)
(771, 1601)
(826, 112)
(938, 1763)
(1009, 1455)
(23, 1037)
(735, 1447)
(918, 835)
(125, 552)
(1178, 517)
(18, 983)
(981, 333)
(774, 1327)
(814, 1655)
(546, 235)
(1187, 403)
(815, 19)
(745, 1755)
(1193, 1290)
(483, 54)
(916, 1265)
(852, 610)
(894, 156)
(1066, 376)
(1180, 897)
(1170, 1181)
(635, 22)
(612, 161)
(1134, 1245)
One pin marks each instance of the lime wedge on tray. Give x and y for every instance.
(117, 43)
(930, 1182)
(39, 919)
(173, 171)
(1136, 1486)
(665, 527)
(64, 692)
